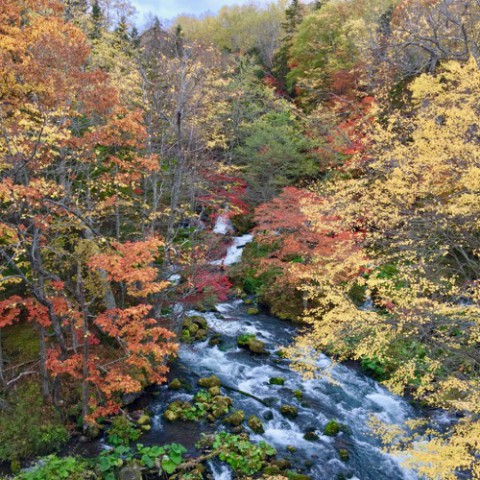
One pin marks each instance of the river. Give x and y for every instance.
(345, 395)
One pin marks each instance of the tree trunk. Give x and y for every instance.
(43, 367)
(85, 373)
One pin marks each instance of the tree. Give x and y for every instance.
(332, 50)
(70, 176)
(274, 154)
(415, 205)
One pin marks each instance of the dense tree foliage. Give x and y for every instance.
(347, 129)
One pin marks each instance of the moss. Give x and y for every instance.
(251, 343)
(236, 418)
(20, 341)
(299, 476)
(244, 339)
(277, 381)
(344, 455)
(289, 411)
(332, 428)
(194, 328)
(253, 311)
(215, 340)
(257, 346)
(281, 353)
(298, 394)
(214, 391)
(175, 384)
(209, 382)
(28, 426)
(255, 424)
(201, 335)
(144, 420)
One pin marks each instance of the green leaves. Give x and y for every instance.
(241, 454)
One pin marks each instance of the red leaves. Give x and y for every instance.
(10, 310)
(226, 192)
(130, 262)
(210, 283)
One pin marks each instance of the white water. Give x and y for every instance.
(220, 472)
(223, 225)
(234, 252)
(345, 395)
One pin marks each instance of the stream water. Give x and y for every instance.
(348, 396)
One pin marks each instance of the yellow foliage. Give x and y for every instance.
(415, 205)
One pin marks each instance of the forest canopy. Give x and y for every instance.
(342, 134)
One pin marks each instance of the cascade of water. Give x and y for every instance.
(347, 397)
(223, 225)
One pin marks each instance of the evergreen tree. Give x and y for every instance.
(134, 37)
(97, 21)
(294, 15)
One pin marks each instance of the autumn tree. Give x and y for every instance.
(71, 175)
(415, 204)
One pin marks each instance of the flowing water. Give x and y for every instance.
(347, 397)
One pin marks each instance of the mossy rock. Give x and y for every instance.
(170, 415)
(253, 311)
(209, 382)
(146, 428)
(281, 463)
(193, 329)
(215, 340)
(220, 406)
(248, 301)
(271, 470)
(144, 420)
(198, 320)
(236, 418)
(298, 394)
(244, 339)
(185, 337)
(289, 411)
(277, 381)
(206, 441)
(344, 455)
(299, 476)
(332, 428)
(15, 466)
(201, 334)
(176, 411)
(214, 391)
(281, 353)
(255, 424)
(291, 448)
(175, 384)
(251, 343)
(257, 346)
(311, 436)
(221, 402)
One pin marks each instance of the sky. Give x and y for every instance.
(167, 9)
